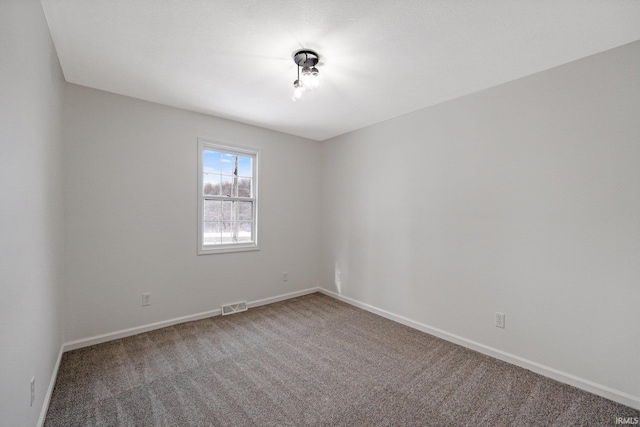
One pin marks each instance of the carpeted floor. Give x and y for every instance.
(308, 361)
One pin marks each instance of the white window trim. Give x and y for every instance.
(230, 247)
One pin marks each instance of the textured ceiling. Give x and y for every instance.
(379, 59)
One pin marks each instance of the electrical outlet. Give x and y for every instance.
(146, 299)
(285, 277)
(500, 320)
(32, 388)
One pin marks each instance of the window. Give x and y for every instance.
(227, 198)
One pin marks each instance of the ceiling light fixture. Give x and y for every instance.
(310, 79)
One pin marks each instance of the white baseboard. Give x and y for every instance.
(99, 339)
(52, 384)
(283, 297)
(581, 383)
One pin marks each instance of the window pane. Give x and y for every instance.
(244, 187)
(227, 232)
(212, 210)
(245, 166)
(211, 233)
(227, 185)
(245, 211)
(244, 231)
(211, 161)
(228, 211)
(211, 184)
(228, 162)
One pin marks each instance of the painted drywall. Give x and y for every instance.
(31, 241)
(131, 215)
(522, 199)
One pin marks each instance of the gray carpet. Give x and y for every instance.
(308, 361)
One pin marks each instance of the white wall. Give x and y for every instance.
(131, 218)
(31, 244)
(524, 198)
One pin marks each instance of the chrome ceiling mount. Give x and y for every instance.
(305, 58)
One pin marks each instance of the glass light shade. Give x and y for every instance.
(305, 78)
(314, 79)
(297, 91)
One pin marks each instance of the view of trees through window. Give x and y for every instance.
(229, 200)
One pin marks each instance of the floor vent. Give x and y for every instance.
(234, 308)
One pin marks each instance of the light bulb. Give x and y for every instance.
(314, 79)
(297, 91)
(305, 78)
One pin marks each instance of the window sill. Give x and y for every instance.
(223, 249)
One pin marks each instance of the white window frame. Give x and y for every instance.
(206, 145)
